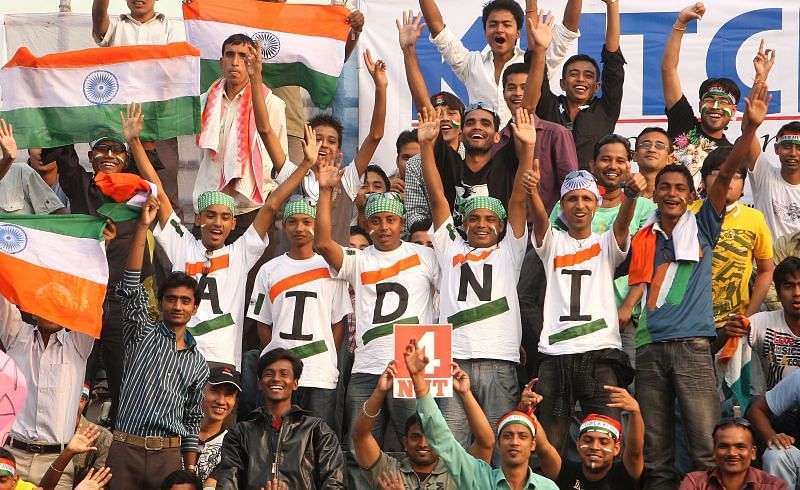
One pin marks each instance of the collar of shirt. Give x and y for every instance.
(750, 481)
(59, 336)
(164, 330)
(562, 104)
(405, 467)
(499, 476)
(238, 95)
(159, 17)
(733, 209)
(488, 56)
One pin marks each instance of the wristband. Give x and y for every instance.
(629, 192)
(679, 28)
(364, 411)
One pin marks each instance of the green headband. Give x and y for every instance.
(210, 198)
(299, 206)
(388, 202)
(470, 204)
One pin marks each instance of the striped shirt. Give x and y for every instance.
(162, 387)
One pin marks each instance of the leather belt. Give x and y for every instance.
(36, 448)
(150, 443)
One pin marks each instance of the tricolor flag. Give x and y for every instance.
(301, 44)
(734, 359)
(62, 98)
(55, 267)
(128, 193)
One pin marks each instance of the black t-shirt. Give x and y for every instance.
(571, 478)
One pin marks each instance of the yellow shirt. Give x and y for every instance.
(23, 485)
(745, 237)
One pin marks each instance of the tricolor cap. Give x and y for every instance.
(719, 91)
(447, 99)
(104, 134)
(210, 198)
(516, 417)
(581, 179)
(384, 202)
(600, 423)
(470, 204)
(788, 137)
(299, 204)
(85, 391)
(7, 467)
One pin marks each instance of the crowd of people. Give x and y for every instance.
(603, 295)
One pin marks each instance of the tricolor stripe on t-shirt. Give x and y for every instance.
(373, 277)
(217, 263)
(576, 258)
(297, 280)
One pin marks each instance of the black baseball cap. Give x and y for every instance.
(447, 99)
(221, 375)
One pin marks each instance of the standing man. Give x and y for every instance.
(280, 442)
(651, 154)
(159, 413)
(672, 258)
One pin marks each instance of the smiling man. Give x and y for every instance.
(651, 154)
(219, 400)
(280, 441)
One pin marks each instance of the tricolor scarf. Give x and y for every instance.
(685, 240)
(238, 160)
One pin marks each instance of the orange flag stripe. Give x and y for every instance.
(577, 257)
(296, 280)
(372, 277)
(217, 263)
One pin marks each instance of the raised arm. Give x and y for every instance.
(266, 215)
(9, 147)
(541, 220)
(377, 70)
(132, 124)
(754, 113)
(356, 22)
(572, 15)
(408, 33)
(433, 17)
(622, 223)
(612, 25)
(763, 62)
(254, 62)
(633, 455)
(100, 20)
(136, 250)
(427, 133)
(540, 36)
(547, 455)
(483, 445)
(368, 451)
(524, 142)
(329, 177)
(669, 63)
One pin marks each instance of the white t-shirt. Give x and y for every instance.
(127, 31)
(775, 198)
(217, 326)
(351, 182)
(580, 313)
(301, 301)
(772, 340)
(210, 456)
(479, 294)
(390, 287)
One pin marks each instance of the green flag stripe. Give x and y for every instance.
(478, 313)
(679, 283)
(320, 86)
(119, 211)
(259, 304)
(308, 350)
(47, 127)
(387, 329)
(578, 331)
(74, 225)
(207, 326)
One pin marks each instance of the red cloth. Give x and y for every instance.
(120, 187)
(643, 247)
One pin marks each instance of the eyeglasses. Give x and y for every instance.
(649, 144)
(580, 173)
(391, 196)
(299, 197)
(109, 148)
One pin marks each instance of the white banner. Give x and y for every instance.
(723, 44)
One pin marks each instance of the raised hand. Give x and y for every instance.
(376, 69)
(149, 211)
(310, 146)
(132, 121)
(387, 377)
(460, 379)
(763, 62)
(95, 481)
(530, 399)
(757, 104)
(391, 480)
(7, 142)
(692, 12)
(109, 233)
(254, 61)
(428, 129)
(83, 438)
(414, 357)
(540, 29)
(522, 126)
(736, 326)
(530, 179)
(329, 174)
(636, 183)
(622, 399)
(410, 30)
(356, 20)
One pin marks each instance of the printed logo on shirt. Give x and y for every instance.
(787, 214)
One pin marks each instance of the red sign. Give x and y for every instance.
(436, 343)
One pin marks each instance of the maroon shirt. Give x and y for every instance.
(711, 479)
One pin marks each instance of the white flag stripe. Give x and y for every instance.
(208, 37)
(64, 254)
(137, 81)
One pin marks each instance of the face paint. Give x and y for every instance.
(311, 233)
(727, 112)
(371, 232)
(455, 125)
(683, 201)
(118, 158)
(494, 230)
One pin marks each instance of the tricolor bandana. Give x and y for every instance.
(516, 417)
(601, 423)
(788, 138)
(298, 204)
(719, 91)
(7, 467)
(85, 391)
(105, 134)
(384, 202)
(210, 198)
(470, 204)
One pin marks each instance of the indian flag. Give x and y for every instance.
(55, 267)
(128, 193)
(63, 98)
(301, 44)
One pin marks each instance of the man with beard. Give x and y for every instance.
(280, 442)
(421, 468)
(734, 452)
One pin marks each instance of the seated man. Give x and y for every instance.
(515, 440)
(9, 479)
(310, 455)
(421, 468)
(734, 452)
(219, 400)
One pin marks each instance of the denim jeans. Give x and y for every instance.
(392, 416)
(320, 402)
(683, 370)
(783, 463)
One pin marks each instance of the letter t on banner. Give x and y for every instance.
(436, 342)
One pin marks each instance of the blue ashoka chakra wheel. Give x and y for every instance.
(100, 87)
(270, 44)
(13, 239)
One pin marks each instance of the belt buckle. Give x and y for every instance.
(35, 448)
(147, 440)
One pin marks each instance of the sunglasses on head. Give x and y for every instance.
(726, 421)
(392, 196)
(299, 197)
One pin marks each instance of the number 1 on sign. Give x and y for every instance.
(427, 343)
